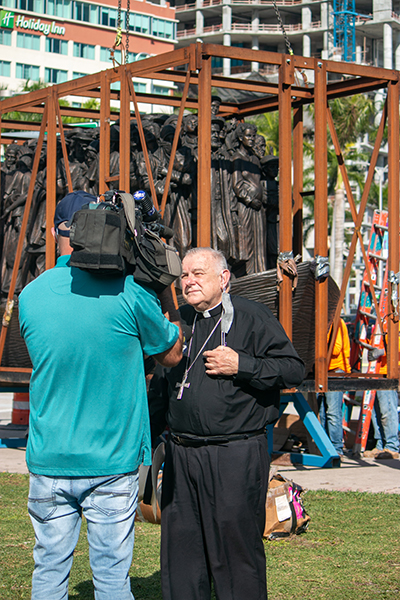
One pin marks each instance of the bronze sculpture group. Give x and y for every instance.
(245, 194)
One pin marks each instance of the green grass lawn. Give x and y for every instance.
(350, 552)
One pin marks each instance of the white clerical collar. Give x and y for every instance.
(207, 313)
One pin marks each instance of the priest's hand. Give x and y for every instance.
(221, 361)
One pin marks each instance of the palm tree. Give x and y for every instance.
(353, 117)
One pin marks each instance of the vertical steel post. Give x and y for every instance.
(51, 176)
(204, 162)
(393, 208)
(298, 180)
(104, 143)
(321, 224)
(286, 78)
(124, 133)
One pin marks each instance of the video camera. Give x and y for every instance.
(122, 233)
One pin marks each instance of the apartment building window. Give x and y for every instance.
(161, 28)
(159, 89)
(55, 75)
(84, 50)
(5, 68)
(27, 72)
(139, 23)
(31, 5)
(108, 17)
(76, 75)
(86, 12)
(139, 87)
(56, 46)
(59, 8)
(5, 37)
(28, 41)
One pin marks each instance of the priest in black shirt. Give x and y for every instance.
(217, 403)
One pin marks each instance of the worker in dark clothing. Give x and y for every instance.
(217, 403)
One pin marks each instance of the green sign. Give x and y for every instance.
(7, 19)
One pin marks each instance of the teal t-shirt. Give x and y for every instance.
(86, 335)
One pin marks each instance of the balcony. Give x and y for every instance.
(248, 28)
(207, 3)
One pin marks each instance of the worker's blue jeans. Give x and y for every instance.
(56, 505)
(386, 420)
(330, 414)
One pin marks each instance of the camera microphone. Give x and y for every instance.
(147, 207)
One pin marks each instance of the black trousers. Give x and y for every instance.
(212, 521)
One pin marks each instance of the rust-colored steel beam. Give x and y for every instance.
(124, 133)
(321, 225)
(298, 181)
(286, 79)
(20, 125)
(104, 141)
(393, 208)
(64, 147)
(175, 144)
(143, 143)
(204, 160)
(51, 176)
(355, 70)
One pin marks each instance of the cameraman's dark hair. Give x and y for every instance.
(216, 254)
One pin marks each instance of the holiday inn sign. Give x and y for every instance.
(9, 20)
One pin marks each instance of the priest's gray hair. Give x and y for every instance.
(219, 258)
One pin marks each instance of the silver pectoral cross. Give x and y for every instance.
(182, 386)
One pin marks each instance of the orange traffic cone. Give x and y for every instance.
(20, 410)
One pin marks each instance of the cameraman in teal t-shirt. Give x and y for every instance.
(89, 425)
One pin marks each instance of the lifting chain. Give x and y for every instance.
(278, 16)
(287, 43)
(118, 37)
(128, 7)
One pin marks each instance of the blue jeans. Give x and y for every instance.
(330, 414)
(55, 505)
(385, 420)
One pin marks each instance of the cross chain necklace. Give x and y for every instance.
(184, 383)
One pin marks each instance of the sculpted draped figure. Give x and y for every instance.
(270, 170)
(223, 202)
(14, 204)
(247, 186)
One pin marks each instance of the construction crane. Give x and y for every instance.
(344, 28)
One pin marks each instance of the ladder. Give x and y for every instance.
(367, 337)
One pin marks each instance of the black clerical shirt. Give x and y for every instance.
(218, 405)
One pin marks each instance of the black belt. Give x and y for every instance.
(212, 440)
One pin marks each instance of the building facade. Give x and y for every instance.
(53, 41)
(309, 26)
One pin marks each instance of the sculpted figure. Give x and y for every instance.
(177, 214)
(156, 157)
(14, 204)
(89, 181)
(77, 168)
(8, 168)
(231, 140)
(246, 181)
(189, 136)
(270, 169)
(215, 104)
(222, 226)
